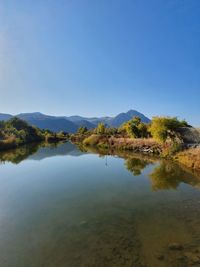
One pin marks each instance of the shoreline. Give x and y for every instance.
(187, 155)
(6, 146)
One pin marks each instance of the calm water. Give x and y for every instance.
(62, 207)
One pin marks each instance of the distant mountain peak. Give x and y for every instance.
(132, 111)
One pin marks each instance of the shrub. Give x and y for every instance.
(171, 149)
(15, 132)
(82, 130)
(92, 140)
(163, 128)
(135, 128)
(100, 129)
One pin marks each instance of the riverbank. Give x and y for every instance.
(136, 145)
(15, 133)
(12, 143)
(189, 157)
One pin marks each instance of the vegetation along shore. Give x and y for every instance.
(16, 132)
(165, 137)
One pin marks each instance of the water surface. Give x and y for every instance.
(61, 206)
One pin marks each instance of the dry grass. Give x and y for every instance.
(190, 158)
(133, 142)
(138, 145)
(93, 140)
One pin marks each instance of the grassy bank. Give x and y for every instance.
(149, 145)
(190, 158)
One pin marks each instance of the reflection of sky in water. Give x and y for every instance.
(75, 210)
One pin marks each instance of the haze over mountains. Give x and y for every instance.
(72, 123)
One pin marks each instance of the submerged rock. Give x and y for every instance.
(160, 257)
(175, 246)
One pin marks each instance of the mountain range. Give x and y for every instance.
(72, 123)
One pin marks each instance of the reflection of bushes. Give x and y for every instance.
(169, 175)
(22, 152)
(165, 176)
(190, 158)
(18, 154)
(135, 165)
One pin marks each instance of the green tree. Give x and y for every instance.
(135, 128)
(163, 128)
(82, 130)
(111, 131)
(100, 128)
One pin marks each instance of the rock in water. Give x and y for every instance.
(175, 246)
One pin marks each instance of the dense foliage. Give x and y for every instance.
(18, 131)
(100, 128)
(82, 130)
(160, 128)
(15, 132)
(163, 128)
(161, 136)
(135, 128)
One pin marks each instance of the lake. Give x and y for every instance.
(61, 206)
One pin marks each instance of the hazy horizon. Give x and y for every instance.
(99, 58)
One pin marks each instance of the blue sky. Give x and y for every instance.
(100, 57)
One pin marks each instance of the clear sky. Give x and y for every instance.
(100, 57)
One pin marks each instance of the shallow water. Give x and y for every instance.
(60, 207)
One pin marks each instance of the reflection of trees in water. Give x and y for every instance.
(19, 154)
(166, 176)
(23, 152)
(136, 165)
(169, 175)
(39, 151)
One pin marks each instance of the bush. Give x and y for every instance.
(82, 130)
(171, 149)
(135, 128)
(92, 140)
(163, 128)
(100, 129)
(16, 132)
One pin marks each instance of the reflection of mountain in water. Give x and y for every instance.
(164, 176)
(39, 152)
(56, 150)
